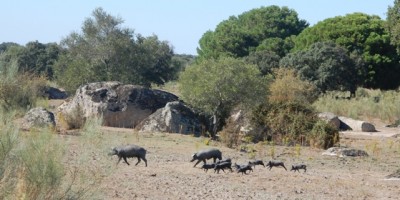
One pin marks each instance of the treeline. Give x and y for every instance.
(246, 61)
(103, 51)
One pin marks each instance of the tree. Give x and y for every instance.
(266, 61)
(215, 86)
(393, 24)
(106, 52)
(5, 45)
(326, 65)
(34, 57)
(238, 36)
(363, 36)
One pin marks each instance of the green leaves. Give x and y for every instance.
(362, 36)
(221, 84)
(106, 52)
(326, 65)
(239, 36)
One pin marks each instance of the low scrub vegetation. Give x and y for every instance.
(32, 163)
(367, 104)
(19, 91)
(293, 123)
(286, 117)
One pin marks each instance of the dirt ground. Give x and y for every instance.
(170, 175)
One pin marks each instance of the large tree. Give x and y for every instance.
(363, 36)
(266, 61)
(252, 30)
(216, 86)
(105, 51)
(326, 65)
(393, 24)
(34, 57)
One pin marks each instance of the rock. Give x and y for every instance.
(38, 117)
(239, 123)
(344, 152)
(330, 118)
(120, 105)
(356, 125)
(55, 93)
(175, 117)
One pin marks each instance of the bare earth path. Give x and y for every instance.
(170, 175)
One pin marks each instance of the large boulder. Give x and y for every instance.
(39, 118)
(120, 105)
(330, 118)
(356, 125)
(175, 117)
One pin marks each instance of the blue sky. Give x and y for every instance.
(181, 22)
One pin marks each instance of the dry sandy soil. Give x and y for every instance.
(170, 175)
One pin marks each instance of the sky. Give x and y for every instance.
(180, 22)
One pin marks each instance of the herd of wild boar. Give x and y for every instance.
(134, 151)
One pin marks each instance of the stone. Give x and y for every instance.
(38, 117)
(120, 105)
(175, 117)
(356, 125)
(330, 118)
(55, 93)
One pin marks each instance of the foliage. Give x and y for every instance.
(19, 90)
(288, 87)
(5, 45)
(9, 137)
(32, 165)
(264, 27)
(327, 66)
(106, 52)
(291, 123)
(34, 57)
(323, 135)
(216, 86)
(265, 60)
(363, 36)
(393, 24)
(43, 172)
(230, 135)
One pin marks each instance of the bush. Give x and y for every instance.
(230, 135)
(290, 123)
(323, 135)
(9, 137)
(287, 86)
(41, 166)
(31, 166)
(19, 90)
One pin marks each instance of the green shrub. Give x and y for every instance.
(323, 135)
(288, 123)
(19, 90)
(41, 166)
(9, 137)
(285, 121)
(31, 165)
